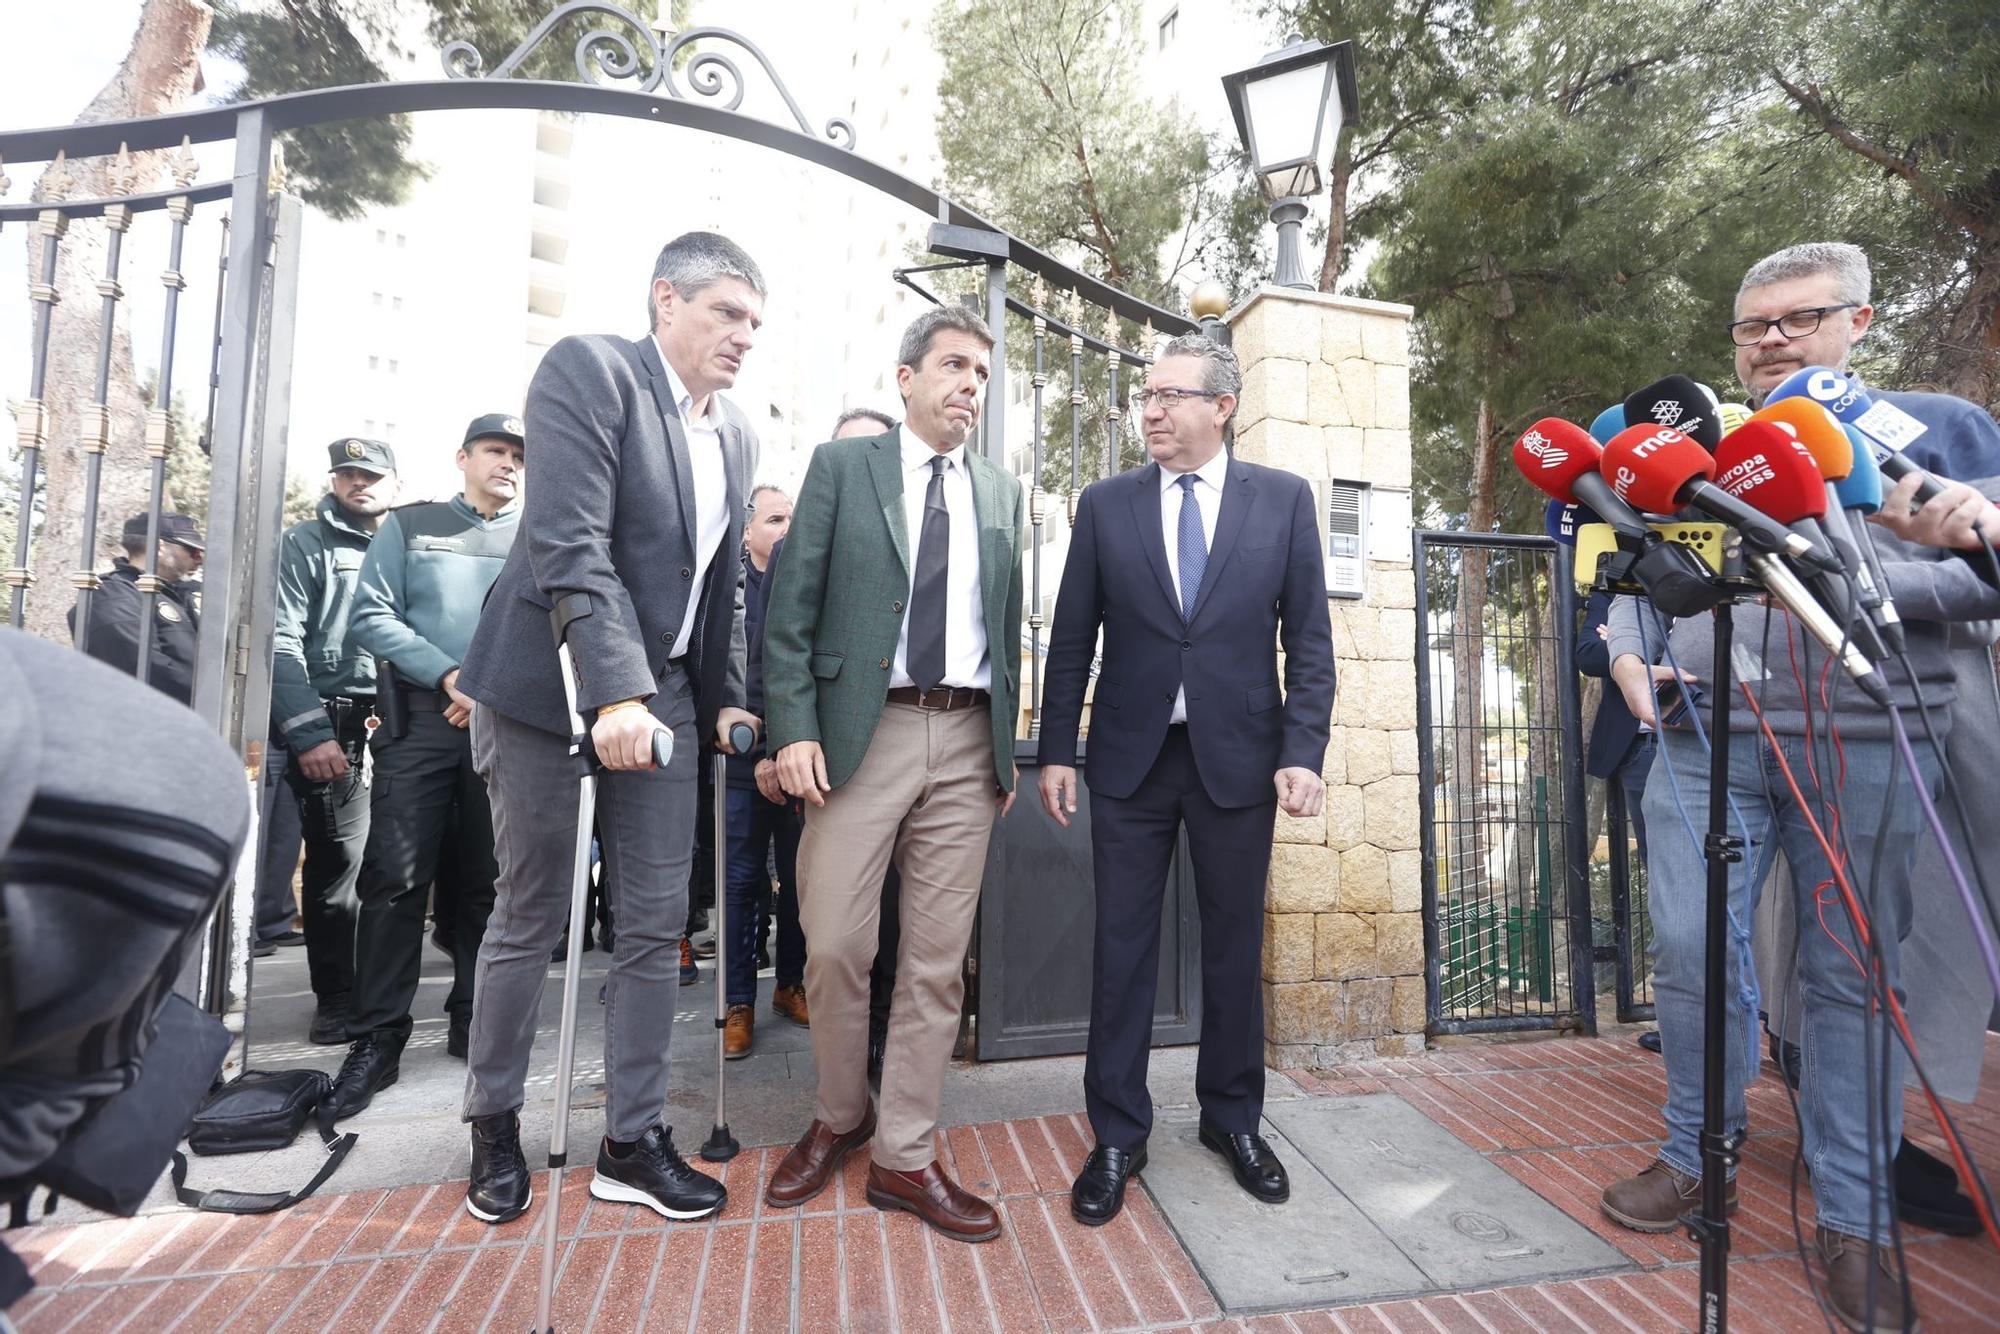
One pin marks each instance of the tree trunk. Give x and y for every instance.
(1967, 357)
(160, 72)
(1336, 215)
(1468, 873)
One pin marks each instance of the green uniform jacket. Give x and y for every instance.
(423, 582)
(836, 606)
(318, 563)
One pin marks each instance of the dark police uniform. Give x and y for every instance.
(416, 607)
(322, 689)
(118, 619)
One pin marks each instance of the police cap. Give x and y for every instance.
(367, 455)
(505, 425)
(176, 528)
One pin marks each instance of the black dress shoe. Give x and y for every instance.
(458, 1037)
(1257, 1169)
(501, 1188)
(1650, 1040)
(1927, 1194)
(650, 1171)
(329, 1022)
(287, 938)
(1099, 1192)
(373, 1063)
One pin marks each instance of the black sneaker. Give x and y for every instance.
(458, 1037)
(501, 1189)
(651, 1172)
(373, 1063)
(329, 1022)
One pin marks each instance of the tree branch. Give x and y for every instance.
(1808, 99)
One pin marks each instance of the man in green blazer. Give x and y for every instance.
(891, 675)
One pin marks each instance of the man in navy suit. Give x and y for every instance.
(1196, 568)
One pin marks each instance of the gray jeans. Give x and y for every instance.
(646, 823)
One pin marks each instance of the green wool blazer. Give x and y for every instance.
(836, 604)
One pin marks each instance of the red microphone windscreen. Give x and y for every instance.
(1815, 428)
(1767, 469)
(1553, 453)
(1648, 465)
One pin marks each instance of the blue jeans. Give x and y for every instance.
(758, 827)
(1835, 1091)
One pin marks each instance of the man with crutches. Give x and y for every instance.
(630, 537)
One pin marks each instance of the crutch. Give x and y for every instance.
(573, 608)
(722, 1145)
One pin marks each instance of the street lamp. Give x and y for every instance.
(1288, 117)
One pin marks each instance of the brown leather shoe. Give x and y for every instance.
(790, 1003)
(1847, 1283)
(810, 1167)
(1654, 1200)
(739, 1025)
(935, 1198)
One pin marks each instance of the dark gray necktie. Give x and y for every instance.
(927, 593)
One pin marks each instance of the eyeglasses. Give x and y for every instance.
(1168, 398)
(1794, 324)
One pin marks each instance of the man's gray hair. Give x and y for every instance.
(1847, 263)
(887, 422)
(696, 260)
(760, 489)
(924, 329)
(1220, 372)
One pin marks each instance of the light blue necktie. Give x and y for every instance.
(1193, 546)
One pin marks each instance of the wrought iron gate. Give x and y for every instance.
(1507, 912)
(1033, 944)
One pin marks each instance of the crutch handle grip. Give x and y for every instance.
(742, 737)
(663, 746)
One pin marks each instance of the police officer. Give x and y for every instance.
(422, 586)
(322, 693)
(118, 607)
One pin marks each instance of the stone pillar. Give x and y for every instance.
(1326, 395)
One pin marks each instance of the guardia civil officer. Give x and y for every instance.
(118, 622)
(417, 604)
(322, 695)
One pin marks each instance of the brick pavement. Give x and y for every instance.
(1562, 1115)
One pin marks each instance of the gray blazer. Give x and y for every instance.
(609, 513)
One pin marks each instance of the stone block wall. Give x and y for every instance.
(1326, 395)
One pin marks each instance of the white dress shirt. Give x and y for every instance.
(711, 492)
(1209, 478)
(966, 664)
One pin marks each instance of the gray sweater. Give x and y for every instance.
(1938, 596)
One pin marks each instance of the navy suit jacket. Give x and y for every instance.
(1611, 735)
(1265, 584)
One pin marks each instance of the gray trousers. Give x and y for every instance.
(645, 821)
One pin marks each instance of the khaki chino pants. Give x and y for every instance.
(924, 795)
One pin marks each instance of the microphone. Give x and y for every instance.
(1659, 468)
(1838, 458)
(1608, 423)
(1563, 518)
(1860, 495)
(1887, 428)
(1731, 415)
(1560, 459)
(1680, 402)
(1763, 466)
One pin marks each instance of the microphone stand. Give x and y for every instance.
(1720, 1148)
(1681, 585)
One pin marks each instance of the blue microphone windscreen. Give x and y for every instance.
(1861, 489)
(1562, 519)
(1609, 423)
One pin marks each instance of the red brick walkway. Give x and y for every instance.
(1564, 1116)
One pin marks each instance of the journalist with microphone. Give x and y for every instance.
(633, 527)
(1798, 308)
